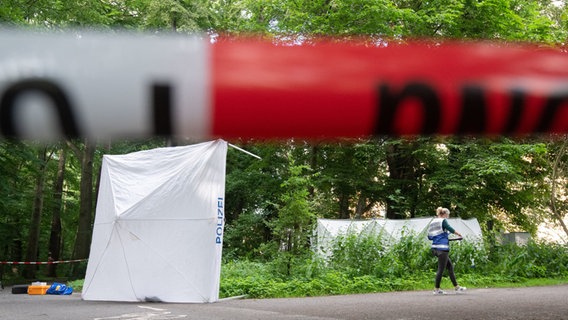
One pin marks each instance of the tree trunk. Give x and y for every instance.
(313, 166)
(84, 227)
(402, 176)
(344, 207)
(33, 235)
(361, 206)
(55, 235)
(552, 203)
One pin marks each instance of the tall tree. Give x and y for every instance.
(558, 186)
(55, 237)
(403, 166)
(176, 15)
(84, 228)
(37, 210)
(295, 221)
(18, 172)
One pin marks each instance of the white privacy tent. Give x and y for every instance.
(327, 230)
(159, 226)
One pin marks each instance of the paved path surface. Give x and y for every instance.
(521, 303)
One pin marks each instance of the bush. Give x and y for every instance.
(357, 255)
(366, 264)
(533, 260)
(470, 257)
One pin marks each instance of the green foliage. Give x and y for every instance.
(294, 224)
(367, 265)
(353, 172)
(244, 237)
(485, 178)
(380, 21)
(77, 285)
(535, 260)
(177, 15)
(355, 255)
(295, 217)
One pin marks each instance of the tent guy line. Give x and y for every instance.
(245, 151)
(101, 86)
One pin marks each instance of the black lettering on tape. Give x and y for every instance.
(46, 87)
(516, 111)
(162, 108)
(389, 102)
(551, 108)
(473, 117)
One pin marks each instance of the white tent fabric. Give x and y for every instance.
(159, 226)
(327, 230)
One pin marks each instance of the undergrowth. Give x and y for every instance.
(368, 264)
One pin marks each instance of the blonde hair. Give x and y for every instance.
(442, 211)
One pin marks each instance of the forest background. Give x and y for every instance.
(48, 191)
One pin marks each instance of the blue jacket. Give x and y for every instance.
(438, 232)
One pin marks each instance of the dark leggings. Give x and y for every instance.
(444, 262)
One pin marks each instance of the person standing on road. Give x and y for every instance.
(438, 232)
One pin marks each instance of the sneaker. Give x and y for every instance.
(460, 289)
(438, 292)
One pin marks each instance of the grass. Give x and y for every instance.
(338, 284)
(366, 265)
(527, 283)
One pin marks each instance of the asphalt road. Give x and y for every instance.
(519, 303)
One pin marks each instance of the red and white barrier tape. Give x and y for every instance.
(124, 85)
(42, 262)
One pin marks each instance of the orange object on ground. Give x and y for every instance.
(37, 290)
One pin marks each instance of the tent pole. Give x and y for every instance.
(243, 150)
